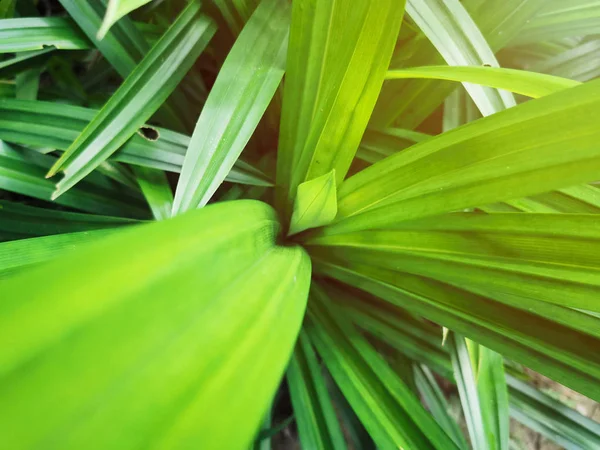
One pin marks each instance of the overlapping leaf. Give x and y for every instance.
(492, 159)
(22, 171)
(318, 425)
(245, 86)
(29, 221)
(50, 125)
(390, 412)
(141, 94)
(337, 59)
(130, 366)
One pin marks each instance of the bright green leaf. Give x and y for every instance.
(455, 35)
(156, 189)
(154, 371)
(492, 159)
(337, 58)
(115, 10)
(523, 82)
(315, 204)
(245, 86)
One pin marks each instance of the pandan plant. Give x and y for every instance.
(226, 218)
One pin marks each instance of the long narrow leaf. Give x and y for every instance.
(22, 172)
(386, 406)
(115, 10)
(29, 221)
(318, 425)
(245, 86)
(450, 28)
(35, 33)
(52, 125)
(522, 82)
(492, 159)
(144, 90)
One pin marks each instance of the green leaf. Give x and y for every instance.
(115, 10)
(15, 256)
(45, 124)
(156, 189)
(552, 258)
(467, 389)
(36, 33)
(22, 172)
(578, 63)
(559, 19)
(455, 170)
(522, 82)
(435, 401)
(25, 61)
(551, 418)
(244, 87)
(140, 95)
(493, 395)
(28, 221)
(554, 340)
(337, 58)
(455, 35)
(318, 425)
(27, 84)
(389, 410)
(7, 8)
(153, 370)
(236, 12)
(408, 103)
(315, 204)
(124, 46)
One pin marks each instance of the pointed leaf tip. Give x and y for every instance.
(315, 204)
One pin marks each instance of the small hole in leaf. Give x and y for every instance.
(149, 133)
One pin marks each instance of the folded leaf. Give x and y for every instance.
(464, 374)
(315, 204)
(337, 58)
(173, 344)
(115, 10)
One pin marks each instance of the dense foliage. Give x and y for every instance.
(215, 212)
